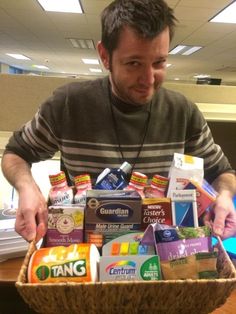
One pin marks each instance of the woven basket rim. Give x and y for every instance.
(112, 283)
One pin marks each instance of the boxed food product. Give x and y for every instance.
(156, 210)
(65, 225)
(173, 242)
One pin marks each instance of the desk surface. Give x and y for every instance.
(9, 271)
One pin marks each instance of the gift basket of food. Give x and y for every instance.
(128, 248)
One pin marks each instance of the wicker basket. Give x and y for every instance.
(164, 296)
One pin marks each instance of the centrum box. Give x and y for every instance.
(132, 261)
(130, 267)
(109, 214)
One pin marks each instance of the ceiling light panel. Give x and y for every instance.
(177, 50)
(82, 43)
(17, 56)
(227, 15)
(95, 70)
(184, 50)
(191, 50)
(43, 67)
(201, 76)
(67, 6)
(90, 61)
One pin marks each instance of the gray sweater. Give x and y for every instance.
(77, 121)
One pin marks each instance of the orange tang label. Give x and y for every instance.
(77, 262)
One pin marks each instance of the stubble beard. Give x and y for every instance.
(123, 93)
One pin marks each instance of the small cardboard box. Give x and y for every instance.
(170, 245)
(140, 263)
(65, 225)
(130, 267)
(109, 214)
(156, 210)
(184, 168)
(184, 208)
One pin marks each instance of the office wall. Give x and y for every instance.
(20, 96)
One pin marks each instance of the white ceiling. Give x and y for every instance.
(42, 36)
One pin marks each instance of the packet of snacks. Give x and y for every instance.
(173, 242)
(197, 266)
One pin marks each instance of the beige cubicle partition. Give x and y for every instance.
(21, 95)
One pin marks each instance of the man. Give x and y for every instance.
(128, 116)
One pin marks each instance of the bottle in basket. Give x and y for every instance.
(60, 193)
(158, 187)
(113, 179)
(137, 182)
(82, 184)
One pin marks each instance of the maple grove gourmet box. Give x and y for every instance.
(163, 296)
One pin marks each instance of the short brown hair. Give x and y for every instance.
(147, 17)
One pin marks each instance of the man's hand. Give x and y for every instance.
(222, 217)
(31, 217)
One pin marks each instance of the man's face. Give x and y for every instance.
(138, 66)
